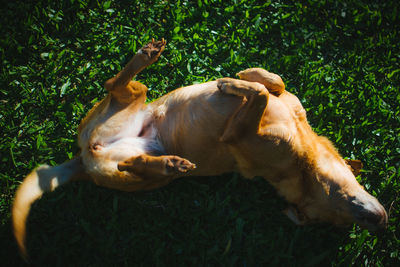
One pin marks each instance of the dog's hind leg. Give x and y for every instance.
(121, 85)
(246, 119)
(271, 81)
(150, 167)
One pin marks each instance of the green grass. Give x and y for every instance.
(341, 59)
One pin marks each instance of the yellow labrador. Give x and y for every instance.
(252, 126)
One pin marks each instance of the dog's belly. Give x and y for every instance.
(190, 122)
(115, 135)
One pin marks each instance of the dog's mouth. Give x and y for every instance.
(295, 215)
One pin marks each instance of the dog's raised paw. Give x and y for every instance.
(154, 49)
(226, 85)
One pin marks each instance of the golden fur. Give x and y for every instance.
(252, 126)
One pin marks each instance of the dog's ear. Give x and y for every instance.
(355, 165)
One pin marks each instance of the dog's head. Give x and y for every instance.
(332, 194)
(323, 187)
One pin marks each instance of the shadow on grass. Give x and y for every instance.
(197, 221)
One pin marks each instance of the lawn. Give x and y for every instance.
(341, 58)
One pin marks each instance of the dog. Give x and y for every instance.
(250, 125)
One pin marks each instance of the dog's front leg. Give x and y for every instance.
(148, 167)
(121, 85)
(273, 82)
(246, 118)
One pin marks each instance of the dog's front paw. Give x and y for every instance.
(153, 49)
(227, 85)
(175, 165)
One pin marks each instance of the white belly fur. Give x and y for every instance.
(115, 142)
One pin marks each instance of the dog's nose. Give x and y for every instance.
(369, 213)
(372, 220)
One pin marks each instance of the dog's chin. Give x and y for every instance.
(373, 227)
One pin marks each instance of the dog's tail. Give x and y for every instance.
(40, 180)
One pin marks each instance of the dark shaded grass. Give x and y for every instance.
(340, 58)
(189, 222)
